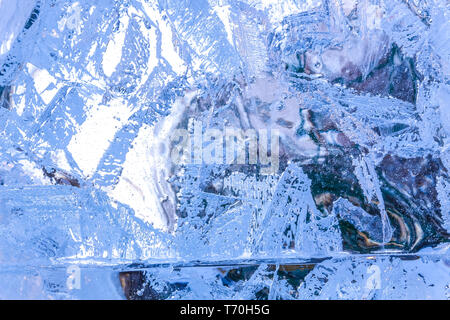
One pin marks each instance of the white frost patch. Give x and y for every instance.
(60, 159)
(96, 133)
(113, 53)
(168, 50)
(223, 12)
(19, 104)
(33, 171)
(136, 187)
(149, 34)
(42, 82)
(143, 183)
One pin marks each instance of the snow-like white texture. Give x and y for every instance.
(97, 132)
(136, 186)
(45, 84)
(168, 39)
(223, 12)
(143, 184)
(113, 52)
(14, 16)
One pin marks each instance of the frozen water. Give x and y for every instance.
(115, 181)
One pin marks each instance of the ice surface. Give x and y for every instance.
(353, 203)
(352, 277)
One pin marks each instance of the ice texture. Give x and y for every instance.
(354, 202)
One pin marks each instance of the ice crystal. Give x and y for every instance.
(350, 200)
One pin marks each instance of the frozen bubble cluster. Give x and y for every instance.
(225, 149)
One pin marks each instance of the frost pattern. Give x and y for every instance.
(91, 91)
